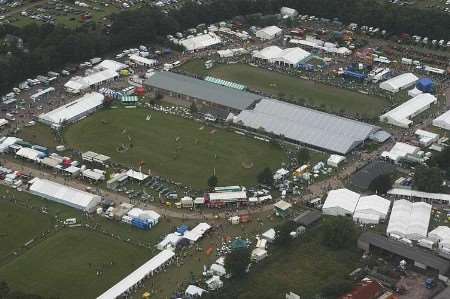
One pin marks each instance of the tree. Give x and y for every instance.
(302, 156)
(212, 181)
(237, 261)
(381, 184)
(428, 179)
(338, 232)
(265, 177)
(442, 160)
(283, 230)
(336, 287)
(193, 108)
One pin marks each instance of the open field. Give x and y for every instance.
(68, 259)
(181, 149)
(19, 225)
(302, 91)
(66, 264)
(39, 134)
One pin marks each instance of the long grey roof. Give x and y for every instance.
(203, 90)
(308, 126)
(412, 253)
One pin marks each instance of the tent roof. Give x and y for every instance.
(409, 220)
(401, 115)
(342, 198)
(203, 90)
(64, 194)
(269, 30)
(137, 275)
(111, 65)
(443, 121)
(200, 41)
(420, 194)
(374, 203)
(399, 82)
(282, 205)
(73, 109)
(319, 129)
(193, 290)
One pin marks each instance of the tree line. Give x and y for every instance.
(48, 47)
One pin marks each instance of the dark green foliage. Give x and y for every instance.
(381, 184)
(302, 156)
(428, 179)
(212, 181)
(265, 177)
(237, 261)
(338, 232)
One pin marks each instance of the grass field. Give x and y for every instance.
(65, 265)
(16, 228)
(58, 266)
(303, 91)
(174, 147)
(39, 134)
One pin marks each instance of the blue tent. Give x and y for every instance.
(354, 75)
(182, 229)
(425, 85)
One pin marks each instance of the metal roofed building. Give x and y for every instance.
(69, 196)
(73, 111)
(401, 115)
(199, 90)
(307, 218)
(421, 258)
(302, 125)
(127, 284)
(443, 121)
(400, 82)
(364, 177)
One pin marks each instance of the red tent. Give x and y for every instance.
(139, 91)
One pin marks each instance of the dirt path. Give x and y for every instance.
(119, 198)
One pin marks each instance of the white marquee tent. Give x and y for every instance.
(269, 32)
(400, 82)
(78, 84)
(74, 110)
(371, 208)
(399, 151)
(409, 220)
(401, 115)
(441, 235)
(340, 202)
(200, 41)
(443, 121)
(147, 269)
(66, 195)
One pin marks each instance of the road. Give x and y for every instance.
(119, 198)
